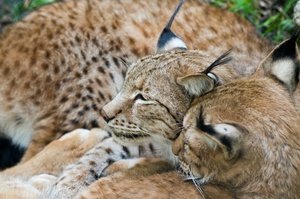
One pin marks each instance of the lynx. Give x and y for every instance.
(239, 140)
(63, 62)
(244, 136)
(89, 177)
(152, 101)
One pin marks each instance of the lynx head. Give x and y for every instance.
(245, 135)
(153, 101)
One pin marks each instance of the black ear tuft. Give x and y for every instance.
(287, 49)
(223, 59)
(169, 40)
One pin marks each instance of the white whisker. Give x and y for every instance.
(197, 184)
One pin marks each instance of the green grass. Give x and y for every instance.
(20, 9)
(277, 27)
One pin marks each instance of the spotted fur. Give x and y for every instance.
(86, 178)
(64, 61)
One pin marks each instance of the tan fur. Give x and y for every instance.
(162, 183)
(63, 62)
(266, 157)
(74, 145)
(151, 103)
(27, 180)
(252, 152)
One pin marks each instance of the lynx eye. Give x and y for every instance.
(139, 97)
(213, 77)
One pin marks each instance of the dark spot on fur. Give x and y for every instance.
(85, 70)
(86, 107)
(94, 106)
(101, 95)
(83, 54)
(45, 66)
(92, 163)
(57, 85)
(94, 59)
(78, 40)
(95, 41)
(90, 89)
(63, 99)
(90, 97)
(104, 29)
(108, 150)
(151, 147)
(94, 124)
(131, 40)
(75, 106)
(106, 62)
(101, 70)
(110, 161)
(47, 54)
(99, 82)
(78, 95)
(78, 75)
(6, 71)
(56, 70)
(126, 150)
(74, 122)
(67, 111)
(81, 113)
(111, 76)
(115, 60)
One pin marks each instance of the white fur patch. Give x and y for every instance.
(82, 134)
(174, 43)
(227, 129)
(19, 133)
(284, 69)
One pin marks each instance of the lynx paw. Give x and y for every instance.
(66, 150)
(42, 181)
(78, 141)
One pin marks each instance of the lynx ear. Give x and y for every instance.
(196, 84)
(226, 136)
(169, 40)
(283, 63)
(201, 83)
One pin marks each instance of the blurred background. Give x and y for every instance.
(273, 18)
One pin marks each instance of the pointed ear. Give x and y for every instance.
(226, 136)
(196, 84)
(169, 40)
(283, 63)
